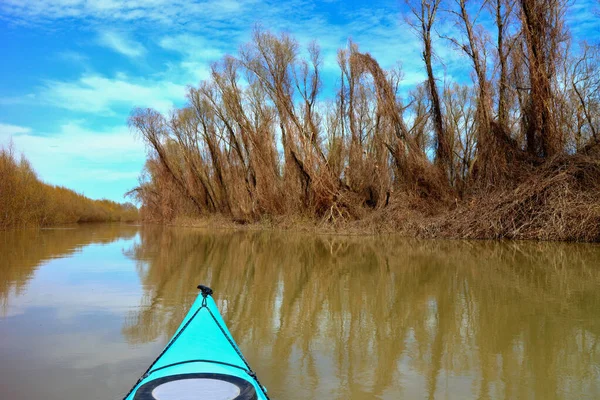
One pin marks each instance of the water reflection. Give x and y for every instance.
(362, 318)
(64, 293)
(22, 252)
(85, 310)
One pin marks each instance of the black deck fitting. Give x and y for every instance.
(206, 291)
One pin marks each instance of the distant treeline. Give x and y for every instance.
(27, 201)
(514, 154)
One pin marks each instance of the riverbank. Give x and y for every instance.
(560, 201)
(26, 201)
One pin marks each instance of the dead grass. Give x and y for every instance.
(560, 201)
(26, 201)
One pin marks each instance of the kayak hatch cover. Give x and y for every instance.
(201, 361)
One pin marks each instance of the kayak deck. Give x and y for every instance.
(201, 361)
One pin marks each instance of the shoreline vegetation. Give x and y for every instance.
(25, 201)
(515, 154)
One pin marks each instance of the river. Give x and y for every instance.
(84, 311)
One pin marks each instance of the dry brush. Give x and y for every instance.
(26, 201)
(259, 140)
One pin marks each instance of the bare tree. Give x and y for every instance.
(461, 123)
(256, 140)
(153, 127)
(586, 86)
(424, 13)
(503, 12)
(543, 32)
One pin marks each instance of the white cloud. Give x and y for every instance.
(582, 21)
(192, 45)
(15, 100)
(197, 55)
(167, 12)
(93, 93)
(73, 57)
(76, 155)
(73, 140)
(119, 42)
(8, 131)
(202, 32)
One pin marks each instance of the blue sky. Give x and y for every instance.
(71, 70)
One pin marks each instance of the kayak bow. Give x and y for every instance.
(201, 361)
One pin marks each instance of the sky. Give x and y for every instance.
(72, 70)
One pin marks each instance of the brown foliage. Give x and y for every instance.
(557, 201)
(255, 142)
(543, 32)
(425, 12)
(26, 201)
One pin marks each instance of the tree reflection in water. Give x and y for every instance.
(23, 251)
(363, 317)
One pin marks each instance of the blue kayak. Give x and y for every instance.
(201, 361)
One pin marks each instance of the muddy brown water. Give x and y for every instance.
(83, 311)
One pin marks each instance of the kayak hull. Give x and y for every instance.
(201, 361)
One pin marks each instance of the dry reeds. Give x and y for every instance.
(27, 201)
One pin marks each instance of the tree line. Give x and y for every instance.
(259, 138)
(26, 201)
